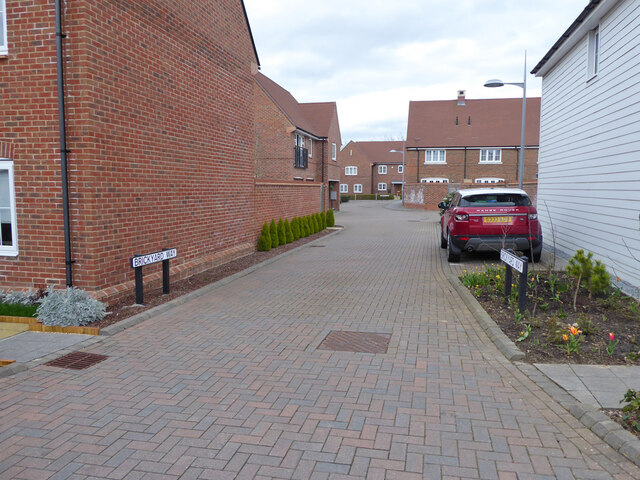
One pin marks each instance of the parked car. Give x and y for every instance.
(489, 219)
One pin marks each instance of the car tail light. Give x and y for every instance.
(462, 217)
(533, 216)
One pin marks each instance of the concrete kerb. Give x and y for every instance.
(136, 319)
(598, 422)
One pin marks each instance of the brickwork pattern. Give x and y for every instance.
(456, 171)
(275, 200)
(160, 132)
(232, 384)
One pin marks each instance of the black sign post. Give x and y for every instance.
(139, 261)
(521, 264)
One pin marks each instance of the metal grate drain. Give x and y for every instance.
(77, 360)
(362, 342)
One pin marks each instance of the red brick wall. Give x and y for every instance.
(424, 196)
(160, 128)
(456, 172)
(275, 200)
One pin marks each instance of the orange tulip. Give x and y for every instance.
(574, 331)
(565, 337)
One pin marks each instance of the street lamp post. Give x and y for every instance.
(402, 152)
(499, 83)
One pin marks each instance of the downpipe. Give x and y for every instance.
(63, 145)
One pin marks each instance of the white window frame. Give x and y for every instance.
(490, 155)
(344, 188)
(10, 250)
(489, 180)
(351, 170)
(434, 180)
(4, 47)
(382, 187)
(435, 156)
(593, 55)
(382, 169)
(334, 152)
(310, 149)
(400, 168)
(357, 188)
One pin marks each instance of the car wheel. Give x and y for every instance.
(443, 241)
(534, 256)
(452, 257)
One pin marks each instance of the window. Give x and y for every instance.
(400, 168)
(434, 180)
(495, 199)
(382, 169)
(435, 156)
(344, 188)
(491, 155)
(593, 53)
(334, 151)
(350, 170)
(4, 48)
(357, 188)
(8, 231)
(382, 186)
(310, 148)
(490, 180)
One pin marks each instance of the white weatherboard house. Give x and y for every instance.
(589, 159)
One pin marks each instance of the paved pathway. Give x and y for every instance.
(232, 385)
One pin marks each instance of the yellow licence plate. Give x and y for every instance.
(497, 220)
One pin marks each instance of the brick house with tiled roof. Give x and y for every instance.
(159, 132)
(297, 144)
(371, 168)
(470, 141)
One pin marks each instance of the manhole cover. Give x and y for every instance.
(318, 246)
(363, 342)
(77, 360)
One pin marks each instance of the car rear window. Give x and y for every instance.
(497, 199)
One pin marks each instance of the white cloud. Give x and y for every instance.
(374, 56)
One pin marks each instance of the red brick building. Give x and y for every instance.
(298, 145)
(159, 116)
(471, 141)
(371, 168)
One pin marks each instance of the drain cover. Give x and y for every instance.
(363, 342)
(77, 360)
(318, 246)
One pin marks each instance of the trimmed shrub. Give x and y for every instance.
(287, 231)
(331, 220)
(273, 231)
(318, 222)
(70, 307)
(295, 228)
(264, 241)
(282, 236)
(29, 297)
(323, 217)
(345, 198)
(305, 226)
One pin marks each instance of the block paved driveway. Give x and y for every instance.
(232, 384)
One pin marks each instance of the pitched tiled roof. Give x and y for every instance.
(380, 152)
(480, 123)
(320, 115)
(313, 118)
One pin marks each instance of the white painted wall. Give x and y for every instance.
(589, 160)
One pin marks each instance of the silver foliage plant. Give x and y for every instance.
(70, 307)
(22, 298)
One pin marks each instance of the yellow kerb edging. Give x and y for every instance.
(26, 320)
(38, 327)
(4, 363)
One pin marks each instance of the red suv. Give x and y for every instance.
(488, 219)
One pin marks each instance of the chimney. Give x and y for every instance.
(461, 101)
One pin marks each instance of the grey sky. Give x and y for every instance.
(372, 56)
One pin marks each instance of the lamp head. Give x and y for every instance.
(494, 82)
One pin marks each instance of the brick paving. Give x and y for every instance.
(232, 384)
